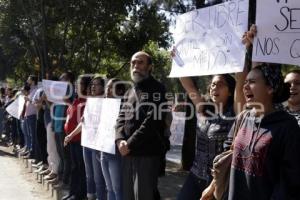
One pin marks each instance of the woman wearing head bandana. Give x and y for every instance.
(265, 164)
(264, 161)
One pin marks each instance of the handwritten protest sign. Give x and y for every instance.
(98, 130)
(208, 40)
(278, 35)
(91, 115)
(55, 91)
(177, 128)
(106, 130)
(16, 107)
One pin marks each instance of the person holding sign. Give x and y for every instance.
(140, 130)
(292, 79)
(264, 165)
(59, 115)
(95, 182)
(74, 113)
(111, 164)
(215, 119)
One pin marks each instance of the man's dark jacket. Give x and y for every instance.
(141, 118)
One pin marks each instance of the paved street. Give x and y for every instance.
(17, 183)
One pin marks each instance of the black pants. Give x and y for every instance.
(192, 188)
(78, 176)
(41, 138)
(65, 156)
(140, 177)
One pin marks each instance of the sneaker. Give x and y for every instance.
(53, 181)
(34, 161)
(40, 169)
(50, 176)
(37, 165)
(22, 149)
(28, 156)
(45, 172)
(24, 153)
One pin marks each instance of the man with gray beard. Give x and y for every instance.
(140, 131)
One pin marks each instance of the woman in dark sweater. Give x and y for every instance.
(215, 118)
(264, 162)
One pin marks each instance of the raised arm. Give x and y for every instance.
(239, 99)
(193, 93)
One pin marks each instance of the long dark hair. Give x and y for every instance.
(86, 81)
(230, 81)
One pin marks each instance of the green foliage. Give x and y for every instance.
(87, 36)
(161, 65)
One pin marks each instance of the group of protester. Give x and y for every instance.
(8, 131)
(50, 135)
(265, 163)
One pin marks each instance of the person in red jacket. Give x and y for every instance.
(74, 114)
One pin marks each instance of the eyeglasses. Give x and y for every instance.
(218, 84)
(95, 84)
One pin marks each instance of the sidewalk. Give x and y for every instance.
(17, 182)
(169, 185)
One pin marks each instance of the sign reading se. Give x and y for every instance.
(278, 36)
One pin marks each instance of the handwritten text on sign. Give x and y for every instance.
(55, 91)
(16, 107)
(208, 40)
(106, 130)
(278, 32)
(91, 120)
(100, 117)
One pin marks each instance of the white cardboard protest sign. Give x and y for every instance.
(177, 128)
(98, 129)
(278, 32)
(16, 107)
(91, 120)
(106, 130)
(55, 91)
(208, 40)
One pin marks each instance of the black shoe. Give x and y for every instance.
(74, 197)
(66, 197)
(28, 156)
(24, 153)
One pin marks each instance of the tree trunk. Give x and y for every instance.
(45, 61)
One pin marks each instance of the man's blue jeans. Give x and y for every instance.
(111, 167)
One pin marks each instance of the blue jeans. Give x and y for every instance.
(30, 129)
(111, 167)
(192, 188)
(94, 177)
(22, 126)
